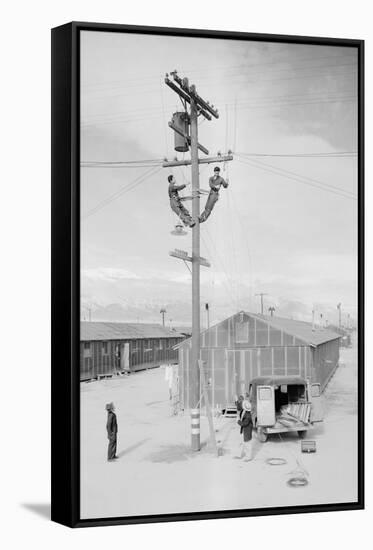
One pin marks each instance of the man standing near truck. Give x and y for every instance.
(246, 423)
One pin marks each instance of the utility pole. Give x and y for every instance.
(271, 309)
(182, 124)
(207, 315)
(196, 331)
(89, 311)
(162, 312)
(339, 307)
(261, 294)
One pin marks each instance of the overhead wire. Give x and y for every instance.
(114, 196)
(227, 282)
(323, 94)
(335, 154)
(240, 66)
(151, 109)
(228, 278)
(121, 164)
(297, 177)
(312, 180)
(238, 216)
(164, 117)
(128, 83)
(244, 233)
(230, 218)
(252, 103)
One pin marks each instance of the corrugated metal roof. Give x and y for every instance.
(299, 329)
(90, 331)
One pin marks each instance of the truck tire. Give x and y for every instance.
(302, 434)
(262, 436)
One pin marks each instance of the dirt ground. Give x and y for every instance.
(157, 473)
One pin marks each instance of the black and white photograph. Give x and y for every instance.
(218, 274)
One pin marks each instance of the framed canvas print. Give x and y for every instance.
(207, 278)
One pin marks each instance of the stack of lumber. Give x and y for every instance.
(294, 413)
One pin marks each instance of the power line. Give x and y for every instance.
(254, 102)
(157, 115)
(141, 81)
(120, 192)
(119, 164)
(301, 179)
(227, 283)
(121, 161)
(337, 154)
(327, 185)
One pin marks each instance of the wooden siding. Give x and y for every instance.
(234, 355)
(325, 360)
(101, 358)
(230, 371)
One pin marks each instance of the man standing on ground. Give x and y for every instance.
(112, 430)
(246, 423)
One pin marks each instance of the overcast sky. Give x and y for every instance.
(286, 226)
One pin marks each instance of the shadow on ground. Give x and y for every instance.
(42, 510)
(128, 450)
(174, 453)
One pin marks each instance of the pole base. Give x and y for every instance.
(196, 442)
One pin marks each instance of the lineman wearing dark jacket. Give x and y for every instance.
(176, 204)
(246, 423)
(112, 430)
(215, 183)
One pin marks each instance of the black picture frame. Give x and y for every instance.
(66, 274)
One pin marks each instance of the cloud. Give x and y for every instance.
(108, 274)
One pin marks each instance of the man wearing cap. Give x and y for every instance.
(112, 430)
(215, 182)
(175, 201)
(246, 423)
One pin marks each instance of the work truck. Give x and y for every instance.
(281, 404)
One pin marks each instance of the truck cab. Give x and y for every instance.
(284, 404)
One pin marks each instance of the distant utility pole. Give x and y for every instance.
(339, 307)
(185, 126)
(207, 315)
(162, 312)
(261, 294)
(89, 310)
(271, 309)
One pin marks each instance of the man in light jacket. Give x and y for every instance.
(215, 183)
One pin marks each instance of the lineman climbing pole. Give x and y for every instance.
(186, 128)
